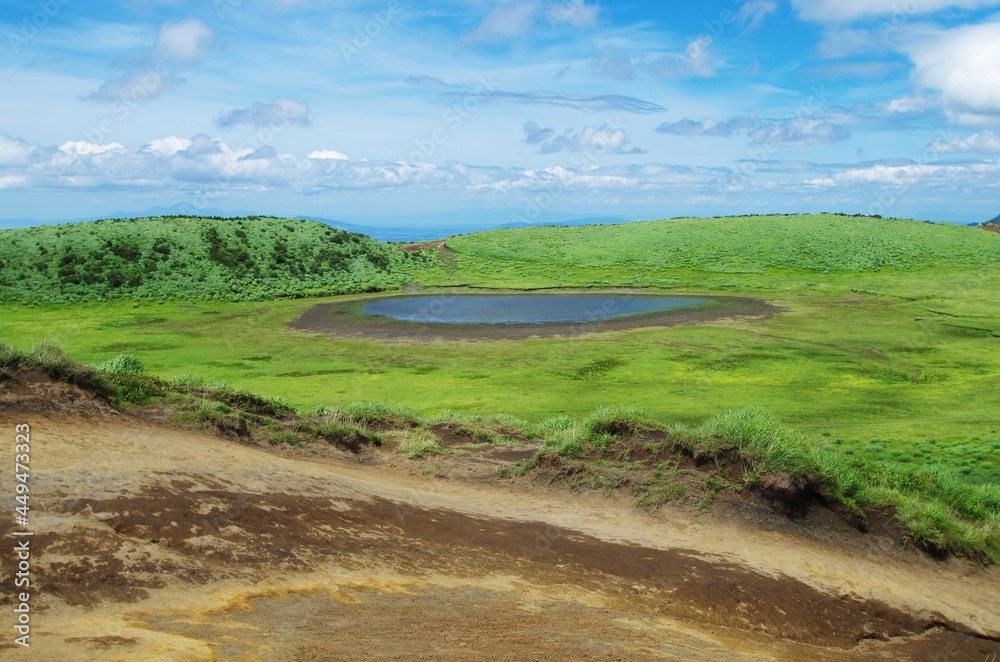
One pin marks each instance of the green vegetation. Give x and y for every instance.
(610, 448)
(730, 252)
(939, 511)
(179, 257)
(417, 444)
(885, 351)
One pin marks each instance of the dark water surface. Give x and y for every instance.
(521, 308)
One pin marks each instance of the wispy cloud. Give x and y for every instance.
(280, 110)
(852, 10)
(753, 12)
(792, 132)
(591, 139)
(517, 20)
(710, 127)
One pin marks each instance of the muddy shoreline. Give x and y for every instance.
(342, 319)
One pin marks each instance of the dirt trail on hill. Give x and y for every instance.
(155, 543)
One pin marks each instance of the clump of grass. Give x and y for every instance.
(616, 421)
(51, 360)
(416, 444)
(187, 380)
(339, 433)
(370, 414)
(123, 364)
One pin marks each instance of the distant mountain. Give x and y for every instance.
(180, 209)
(571, 222)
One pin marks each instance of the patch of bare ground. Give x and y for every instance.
(157, 543)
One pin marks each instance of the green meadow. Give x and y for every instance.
(885, 349)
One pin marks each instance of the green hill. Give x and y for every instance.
(655, 252)
(196, 258)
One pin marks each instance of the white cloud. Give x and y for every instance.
(327, 155)
(851, 10)
(186, 42)
(14, 151)
(83, 148)
(986, 142)
(168, 146)
(207, 167)
(961, 64)
(279, 112)
(910, 104)
(900, 177)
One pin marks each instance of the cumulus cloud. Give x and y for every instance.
(592, 139)
(168, 146)
(986, 142)
(852, 10)
(961, 65)
(279, 111)
(178, 46)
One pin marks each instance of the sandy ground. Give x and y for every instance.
(152, 543)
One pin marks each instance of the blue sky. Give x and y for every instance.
(384, 111)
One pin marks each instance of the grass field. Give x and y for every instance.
(887, 348)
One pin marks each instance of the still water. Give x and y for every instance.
(521, 308)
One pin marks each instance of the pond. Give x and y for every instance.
(522, 308)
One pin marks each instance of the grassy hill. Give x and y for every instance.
(245, 259)
(658, 253)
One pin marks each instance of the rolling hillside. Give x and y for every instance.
(246, 259)
(652, 252)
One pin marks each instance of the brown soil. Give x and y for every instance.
(444, 252)
(337, 319)
(157, 543)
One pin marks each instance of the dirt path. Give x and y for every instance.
(154, 543)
